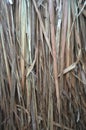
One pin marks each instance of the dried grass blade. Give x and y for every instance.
(51, 13)
(42, 25)
(68, 38)
(63, 35)
(58, 27)
(5, 57)
(32, 65)
(68, 69)
(23, 40)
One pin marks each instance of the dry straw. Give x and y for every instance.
(42, 65)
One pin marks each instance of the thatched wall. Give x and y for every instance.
(42, 65)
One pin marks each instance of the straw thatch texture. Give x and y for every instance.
(42, 65)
